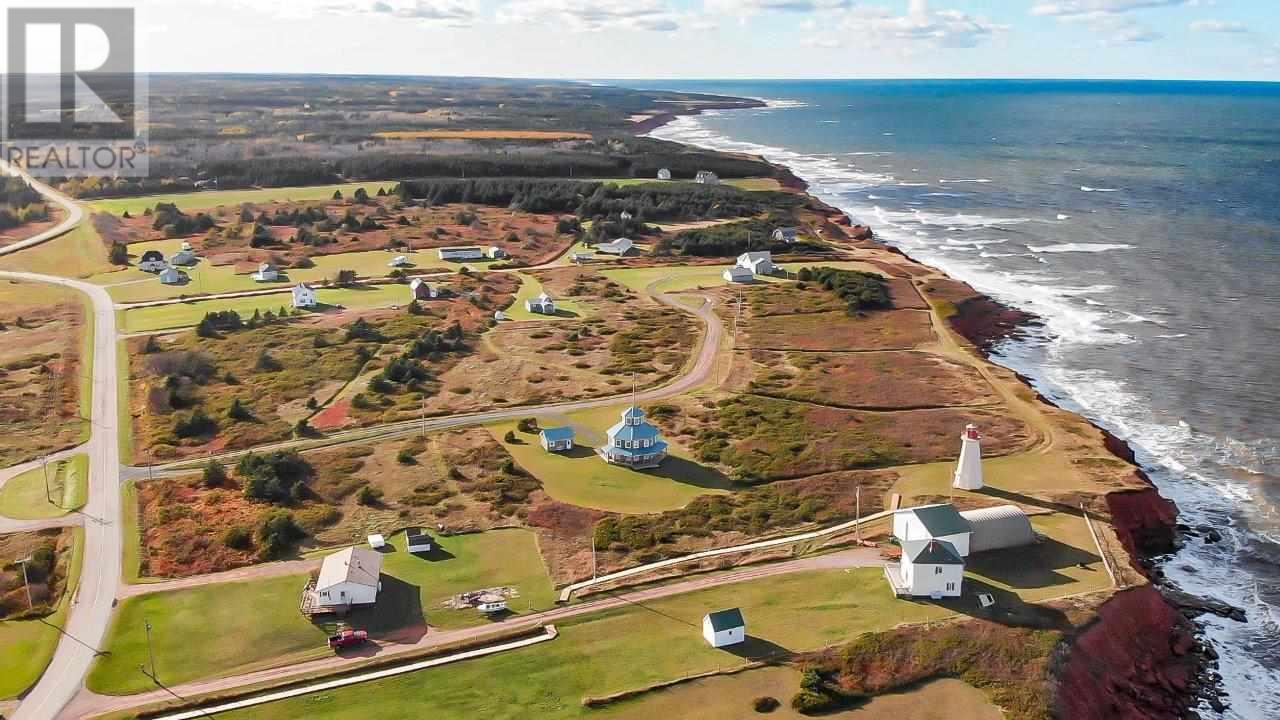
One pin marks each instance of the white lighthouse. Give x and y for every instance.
(969, 467)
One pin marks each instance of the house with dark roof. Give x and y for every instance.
(634, 442)
(556, 439)
(928, 568)
(152, 261)
(417, 540)
(724, 627)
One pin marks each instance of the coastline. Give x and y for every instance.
(1112, 655)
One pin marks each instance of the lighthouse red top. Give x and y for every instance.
(971, 432)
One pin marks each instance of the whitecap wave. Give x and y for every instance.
(1086, 188)
(952, 181)
(1061, 216)
(1078, 247)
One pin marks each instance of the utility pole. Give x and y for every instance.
(150, 655)
(48, 494)
(593, 555)
(25, 582)
(424, 417)
(857, 513)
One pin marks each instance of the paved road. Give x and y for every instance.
(101, 574)
(88, 703)
(74, 213)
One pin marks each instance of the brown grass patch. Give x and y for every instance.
(882, 330)
(873, 380)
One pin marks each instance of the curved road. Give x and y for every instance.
(74, 212)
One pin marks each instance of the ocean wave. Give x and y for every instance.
(945, 181)
(1086, 188)
(1172, 336)
(1063, 217)
(1078, 247)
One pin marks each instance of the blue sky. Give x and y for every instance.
(1193, 39)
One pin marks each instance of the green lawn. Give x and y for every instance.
(531, 288)
(133, 285)
(80, 252)
(187, 314)
(581, 478)
(243, 625)
(25, 497)
(29, 644)
(622, 649)
(214, 198)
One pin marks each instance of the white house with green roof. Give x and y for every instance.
(724, 627)
(634, 442)
(929, 568)
(933, 522)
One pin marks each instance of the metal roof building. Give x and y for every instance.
(995, 528)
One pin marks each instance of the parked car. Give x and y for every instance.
(347, 638)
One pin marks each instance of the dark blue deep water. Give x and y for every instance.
(1141, 221)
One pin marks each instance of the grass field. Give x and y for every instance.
(133, 285)
(24, 497)
(214, 198)
(188, 314)
(249, 624)
(752, 184)
(29, 644)
(531, 288)
(624, 649)
(581, 478)
(78, 253)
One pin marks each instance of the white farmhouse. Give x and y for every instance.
(724, 627)
(706, 177)
(738, 274)
(619, 247)
(933, 522)
(664, 174)
(786, 235)
(422, 290)
(183, 257)
(349, 577)
(543, 305)
(929, 568)
(152, 261)
(625, 216)
(494, 252)
(266, 273)
(760, 263)
(304, 296)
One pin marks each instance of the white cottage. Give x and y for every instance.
(619, 247)
(760, 263)
(494, 252)
(349, 577)
(933, 522)
(266, 273)
(929, 568)
(625, 216)
(304, 296)
(543, 305)
(706, 177)
(664, 174)
(724, 627)
(738, 274)
(634, 442)
(420, 289)
(185, 256)
(786, 235)
(556, 439)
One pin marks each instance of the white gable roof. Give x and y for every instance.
(360, 566)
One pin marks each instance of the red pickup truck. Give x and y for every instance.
(347, 638)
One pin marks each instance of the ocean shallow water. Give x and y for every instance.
(1138, 220)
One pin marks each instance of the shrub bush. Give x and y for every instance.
(765, 704)
(237, 538)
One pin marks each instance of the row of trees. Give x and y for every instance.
(861, 290)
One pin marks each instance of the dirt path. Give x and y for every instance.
(251, 572)
(89, 703)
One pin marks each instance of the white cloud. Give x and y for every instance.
(1067, 8)
(1219, 26)
(450, 13)
(590, 15)
(751, 7)
(919, 27)
(1110, 19)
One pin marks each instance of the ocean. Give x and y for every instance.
(1141, 222)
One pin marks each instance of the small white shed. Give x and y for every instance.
(724, 627)
(377, 541)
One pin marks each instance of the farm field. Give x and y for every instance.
(189, 313)
(660, 640)
(78, 253)
(133, 285)
(580, 477)
(239, 625)
(24, 497)
(834, 331)
(45, 353)
(29, 644)
(214, 198)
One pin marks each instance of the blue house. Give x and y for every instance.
(557, 439)
(634, 442)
